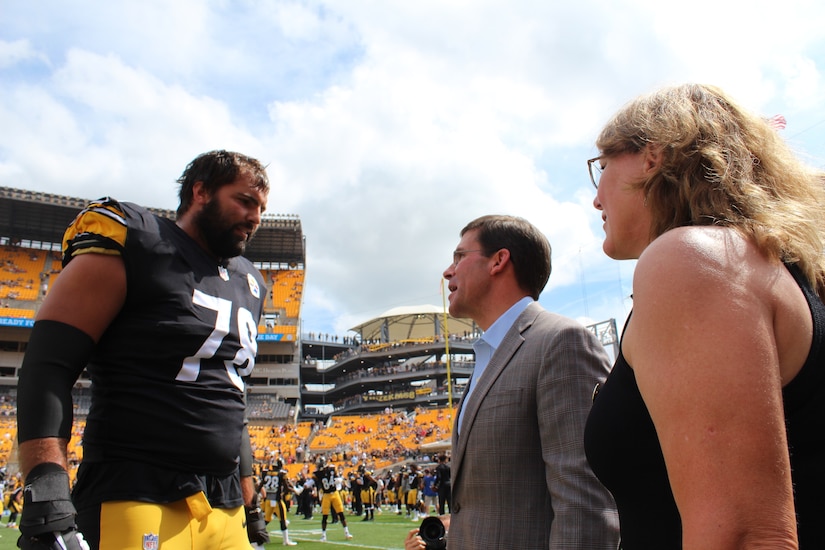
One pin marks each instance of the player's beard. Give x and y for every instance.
(219, 232)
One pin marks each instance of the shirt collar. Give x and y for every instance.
(495, 334)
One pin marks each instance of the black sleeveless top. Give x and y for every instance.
(623, 450)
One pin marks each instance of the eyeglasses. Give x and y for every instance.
(458, 255)
(595, 168)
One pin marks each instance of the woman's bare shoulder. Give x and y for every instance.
(700, 255)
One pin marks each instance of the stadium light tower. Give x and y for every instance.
(607, 334)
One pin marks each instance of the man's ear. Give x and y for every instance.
(501, 259)
(200, 195)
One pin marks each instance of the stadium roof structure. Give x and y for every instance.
(412, 323)
(43, 217)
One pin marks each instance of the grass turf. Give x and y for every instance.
(387, 532)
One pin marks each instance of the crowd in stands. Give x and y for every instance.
(334, 338)
(25, 276)
(286, 287)
(370, 346)
(384, 437)
(265, 406)
(8, 403)
(389, 368)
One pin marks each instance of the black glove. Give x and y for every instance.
(67, 540)
(48, 518)
(255, 524)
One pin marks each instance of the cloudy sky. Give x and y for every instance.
(386, 124)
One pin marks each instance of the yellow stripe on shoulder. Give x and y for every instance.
(102, 218)
(96, 250)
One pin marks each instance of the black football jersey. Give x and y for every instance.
(275, 483)
(326, 479)
(414, 481)
(167, 375)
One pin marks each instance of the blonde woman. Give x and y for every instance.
(710, 430)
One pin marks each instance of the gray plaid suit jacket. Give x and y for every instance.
(520, 479)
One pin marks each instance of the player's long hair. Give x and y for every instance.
(721, 165)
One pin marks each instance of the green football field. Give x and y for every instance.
(386, 532)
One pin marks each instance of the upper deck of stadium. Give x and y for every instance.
(38, 220)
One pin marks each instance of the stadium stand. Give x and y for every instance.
(286, 288)
(17, 313)
(267, 407)
(384, 438)
(22, 273)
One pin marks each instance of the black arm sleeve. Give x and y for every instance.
(56, 355)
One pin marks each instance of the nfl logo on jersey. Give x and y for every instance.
(150, 542)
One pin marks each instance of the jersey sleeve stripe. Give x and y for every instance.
(99, 228)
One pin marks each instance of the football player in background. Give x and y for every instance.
(15, 505)
(329, 485)
(277, 488)
(356, 484)
(368, 492)
(391, 489)
(442, 484)
(415, 482)
(401, 488)
(163, 314)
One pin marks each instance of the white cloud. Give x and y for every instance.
(387, 125)
(805, 85)
(12, 53)
(106, 128)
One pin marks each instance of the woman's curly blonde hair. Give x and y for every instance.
(721, 165)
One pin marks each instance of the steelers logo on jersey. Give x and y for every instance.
(253, 285)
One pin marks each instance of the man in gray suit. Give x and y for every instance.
(519, 475)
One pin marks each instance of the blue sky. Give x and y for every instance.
(386, 124)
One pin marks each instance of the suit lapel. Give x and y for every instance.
(512, 341)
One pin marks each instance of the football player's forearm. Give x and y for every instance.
(247, 490)
(38, 451)
(56, 355)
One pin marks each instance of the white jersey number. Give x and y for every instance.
(244, 361)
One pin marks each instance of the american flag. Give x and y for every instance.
(778, 122)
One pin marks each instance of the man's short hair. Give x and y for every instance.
(529, 249)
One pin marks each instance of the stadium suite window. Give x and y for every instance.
(11, 346)
(282, 359)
